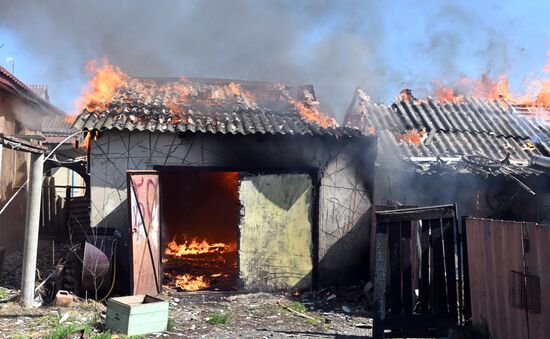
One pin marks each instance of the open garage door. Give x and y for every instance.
(275, 244)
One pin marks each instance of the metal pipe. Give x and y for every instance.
(52, 152)
(30, 251)
(540, 161)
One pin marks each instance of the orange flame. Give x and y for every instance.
(194, 247)
(188, 282)
(536, 91)
(85, 143)
(70, 118)
(107, 79)
(99, 91)
(312, 113)
(412, 137)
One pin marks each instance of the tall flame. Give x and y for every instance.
(536, 91)
(99, 91)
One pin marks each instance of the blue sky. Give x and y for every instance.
(382, 47)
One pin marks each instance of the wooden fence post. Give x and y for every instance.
(380, 267)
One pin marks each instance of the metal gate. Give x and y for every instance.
(144, 211)
(419, 247)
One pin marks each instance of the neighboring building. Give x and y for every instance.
(475, 153)
(58, 129)
(293, 197)
(21, 111)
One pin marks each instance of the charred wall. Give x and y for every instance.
(496, 197)
(342, 172)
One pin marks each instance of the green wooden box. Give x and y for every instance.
(137, 314)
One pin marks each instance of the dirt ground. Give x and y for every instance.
(329, 313)
(325, 314)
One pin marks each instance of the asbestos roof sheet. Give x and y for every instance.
(210, 105)
(473, 127)
(470, 115)
(239, 121)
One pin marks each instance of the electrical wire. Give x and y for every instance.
(114, 275)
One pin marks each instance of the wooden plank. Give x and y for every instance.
(415, 259)
(43, 204)
(407, 289)
(467, 295)
(425, 266)
(450, 264)
(145, 251)
(380, 280)
(47, 205)
(394, 246)
(439, 286)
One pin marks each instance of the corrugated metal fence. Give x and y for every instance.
(509, 266)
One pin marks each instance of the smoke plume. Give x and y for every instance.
(334, 45)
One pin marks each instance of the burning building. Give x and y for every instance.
(475, 152)
(226, 185)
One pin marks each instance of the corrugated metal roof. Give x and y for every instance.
(57, 125)
(41, 91)
(17, 86)
(209, 105)
(491, 129)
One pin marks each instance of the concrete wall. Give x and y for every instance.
(343, 171)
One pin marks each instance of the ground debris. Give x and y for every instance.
(214, 315)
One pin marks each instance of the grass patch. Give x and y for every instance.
(45, 321)
(312, 321)
(3, 293)
(61, 332)
(171, 324)
(104, 335)
(218, 319)
(298, 307)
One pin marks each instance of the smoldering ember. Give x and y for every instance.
(195, 186)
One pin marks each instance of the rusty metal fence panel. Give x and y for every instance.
(496, 252)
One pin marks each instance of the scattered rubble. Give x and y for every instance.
(319, 314)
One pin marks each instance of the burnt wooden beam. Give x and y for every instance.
(425, 267)
(448, 225)
(17, 143)
(408, 214)
(407, 291)
(439, 288)
(394, 244)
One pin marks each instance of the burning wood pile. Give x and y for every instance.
(206, 265)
